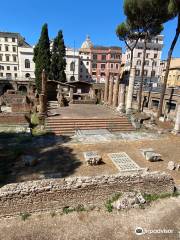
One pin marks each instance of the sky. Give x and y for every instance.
(77, 19)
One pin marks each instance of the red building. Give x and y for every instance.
(106, 61)
(98, 62)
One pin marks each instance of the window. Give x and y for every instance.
(139, 62)
(153, 73)
(6, 48)
(15, 75)
(13, 39)
(147, 55)
(27, 75)
(103, 57)
(14, 49)
(145, 72)
(0, 47)
(137, 72)
(94, 56)
(1, 74)
(1, 57)
(94, 65)
(154, 64)
(15, 68)
(117, 66)
(72, 66)
(6, 39)
(14, 58)
(8, 75)
(8, 68)
(112, 66)
(27, 63)
(155, 55)
(103, 66)
(7, 58)
(87, 63)
(139, 54)
(2, 67)
(94, 73)
(147, 63)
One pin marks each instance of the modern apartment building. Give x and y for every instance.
(16, 57)
(153, 59)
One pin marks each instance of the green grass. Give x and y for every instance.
(154, 197)
(25, 216)
(114, 198)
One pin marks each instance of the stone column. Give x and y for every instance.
(106, 90)
(115, 92)
(121, 99)
(110, 98)
(43, 95)
(71, 94)
(130, 90)
(177, 122)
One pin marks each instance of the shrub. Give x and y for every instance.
(25, 216)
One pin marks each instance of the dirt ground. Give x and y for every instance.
(65, 159)
(98, 224)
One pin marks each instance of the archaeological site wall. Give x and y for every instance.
(52, 194)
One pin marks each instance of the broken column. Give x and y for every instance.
(43, 95)
(106, 90)
(121, 98)
(177, 122)
(130, 90)
(111, 85)
(115, 92)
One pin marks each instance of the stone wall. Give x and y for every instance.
(58, 193)
(13, 119)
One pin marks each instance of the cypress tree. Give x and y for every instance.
(58, 61)
(42, 56)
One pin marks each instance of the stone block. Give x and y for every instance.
(171, 166)
(92, 158)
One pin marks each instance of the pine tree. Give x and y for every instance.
(58, 61)
(42, 56)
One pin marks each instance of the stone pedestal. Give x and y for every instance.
(106, 90)
(43, 95)
(130, 90)
(177, 123)
(111, 85)
(121, 98)
(115, 92)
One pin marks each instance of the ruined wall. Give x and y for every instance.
(58, 193)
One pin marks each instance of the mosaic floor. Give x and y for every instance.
(123, 162)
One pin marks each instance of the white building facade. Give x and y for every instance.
(15, 57)
(152, 70)
(72, 64)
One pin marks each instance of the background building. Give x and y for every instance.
(153, 59)
(72, 64)
(15, 57)
(174, 73)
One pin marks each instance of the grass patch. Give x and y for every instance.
(34, 119)
(67, 210)
(24, 216)
(154, 197)
(109, 203)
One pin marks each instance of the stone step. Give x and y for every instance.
(71, 132)
(89, 126)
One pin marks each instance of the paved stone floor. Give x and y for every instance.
(85, 111)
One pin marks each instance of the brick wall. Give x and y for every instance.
(13, 119)
(57, 193)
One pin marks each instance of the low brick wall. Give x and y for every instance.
(57, 193)
(13, 119)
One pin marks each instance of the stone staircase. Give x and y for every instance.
(69, 126)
